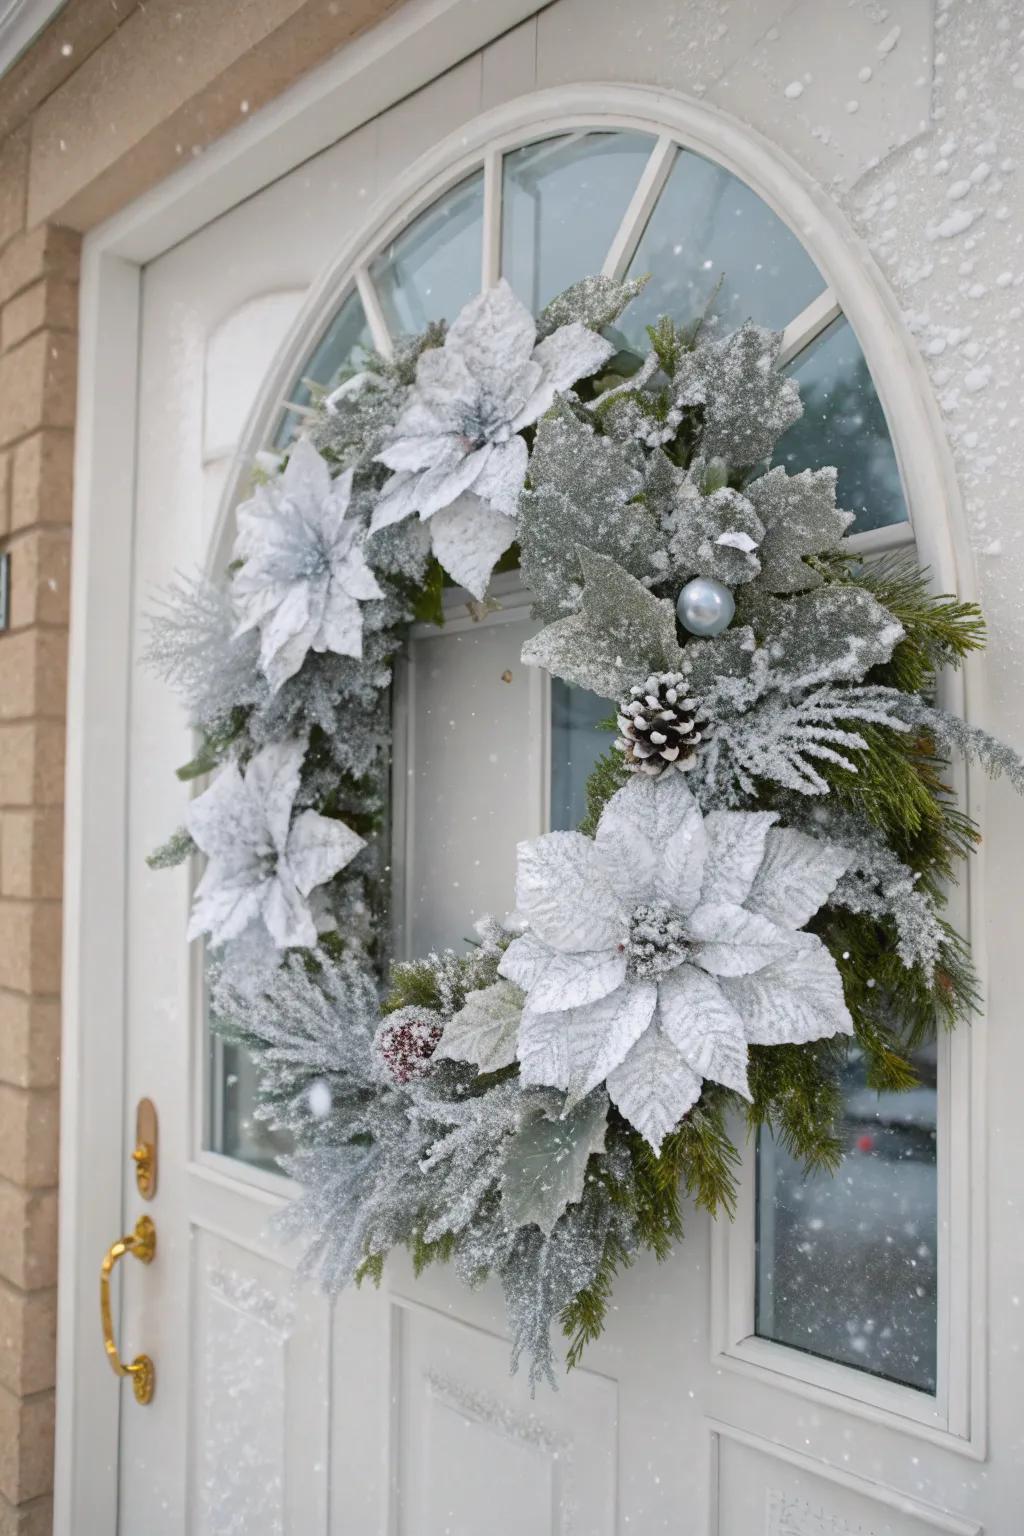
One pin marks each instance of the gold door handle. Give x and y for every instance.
(142, 1244)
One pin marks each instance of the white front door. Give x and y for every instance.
(792, 1374)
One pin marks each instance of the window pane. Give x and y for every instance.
(234, 1129)
(563, 201)
(846, 1265)
(345, 341)
(709, 228)
(430, 270)
(843, 424)
(576, 745)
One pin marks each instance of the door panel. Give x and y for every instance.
(392, 1413)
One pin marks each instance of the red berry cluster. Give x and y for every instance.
(406, 1043)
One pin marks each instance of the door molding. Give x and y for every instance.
(422, 40)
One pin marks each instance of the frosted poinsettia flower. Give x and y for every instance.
(456, 448)
(263, 864)
(657, 951)
(303, 574)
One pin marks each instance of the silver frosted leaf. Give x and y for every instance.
(485, 1028)
(653, 1087)
(747, 404)
(801, 518)
(593, 301)
(717, 536)
(545, 1164)
(318, 847)
(621, 634)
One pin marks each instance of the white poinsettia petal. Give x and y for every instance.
(653, 1087)
(225, 821)
(571, 980)
(396, 500)
(287, 915)
(563, 893)
(355, 577)
(441, 486)
(333, 508)
(732, 942)
(469, 538)
(288, 620)
(318, 846)
(226, 902)
(307, 475)
(284, 664)
(798, 998)
(568, 354)
(272, 778)
(341, 628)
(493, 335)
(501, 479)
(485, 1029)
(577, 1048)
(735, 849)
(704, 1027)
(797, 876)
(524, 959)
(636, 829)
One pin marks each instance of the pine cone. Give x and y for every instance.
(406, 1040)
(660, 726)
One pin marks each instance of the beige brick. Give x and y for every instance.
(46, 251)
(31, 762)
(29, 1135)
(32, 1519)
(42, 477)
(37, 385)
(28, 1238)
(28, 1338)
(5, 493)
(32, 852)
(40, 576)
(26, 1445)
(49, 303)
(29, 1040)
(33, 674)
(14, 153)
(30, 946)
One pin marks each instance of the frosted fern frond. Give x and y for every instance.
(193, 646)
(955, 735)
(783, 740)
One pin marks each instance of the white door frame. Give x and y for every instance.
(419, 42)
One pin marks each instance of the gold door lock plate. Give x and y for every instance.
(144, 1156)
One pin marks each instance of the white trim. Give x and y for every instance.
(641, 205)
(491, 258)
(940, 1520)
(21, 22)
(423, 38)
(370, 299)
(808, 326)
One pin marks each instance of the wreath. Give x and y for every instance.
(760, 877)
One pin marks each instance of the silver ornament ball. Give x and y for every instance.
(705, 607)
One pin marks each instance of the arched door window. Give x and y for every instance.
(846, 1267)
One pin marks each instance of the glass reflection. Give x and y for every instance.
(234, 1130)
(844, 424)
(432, 268)
(562, 204)
(577, 741)
(846, 1265)
(344, 343)
(711, 241)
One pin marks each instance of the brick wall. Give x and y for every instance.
(38, 316)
